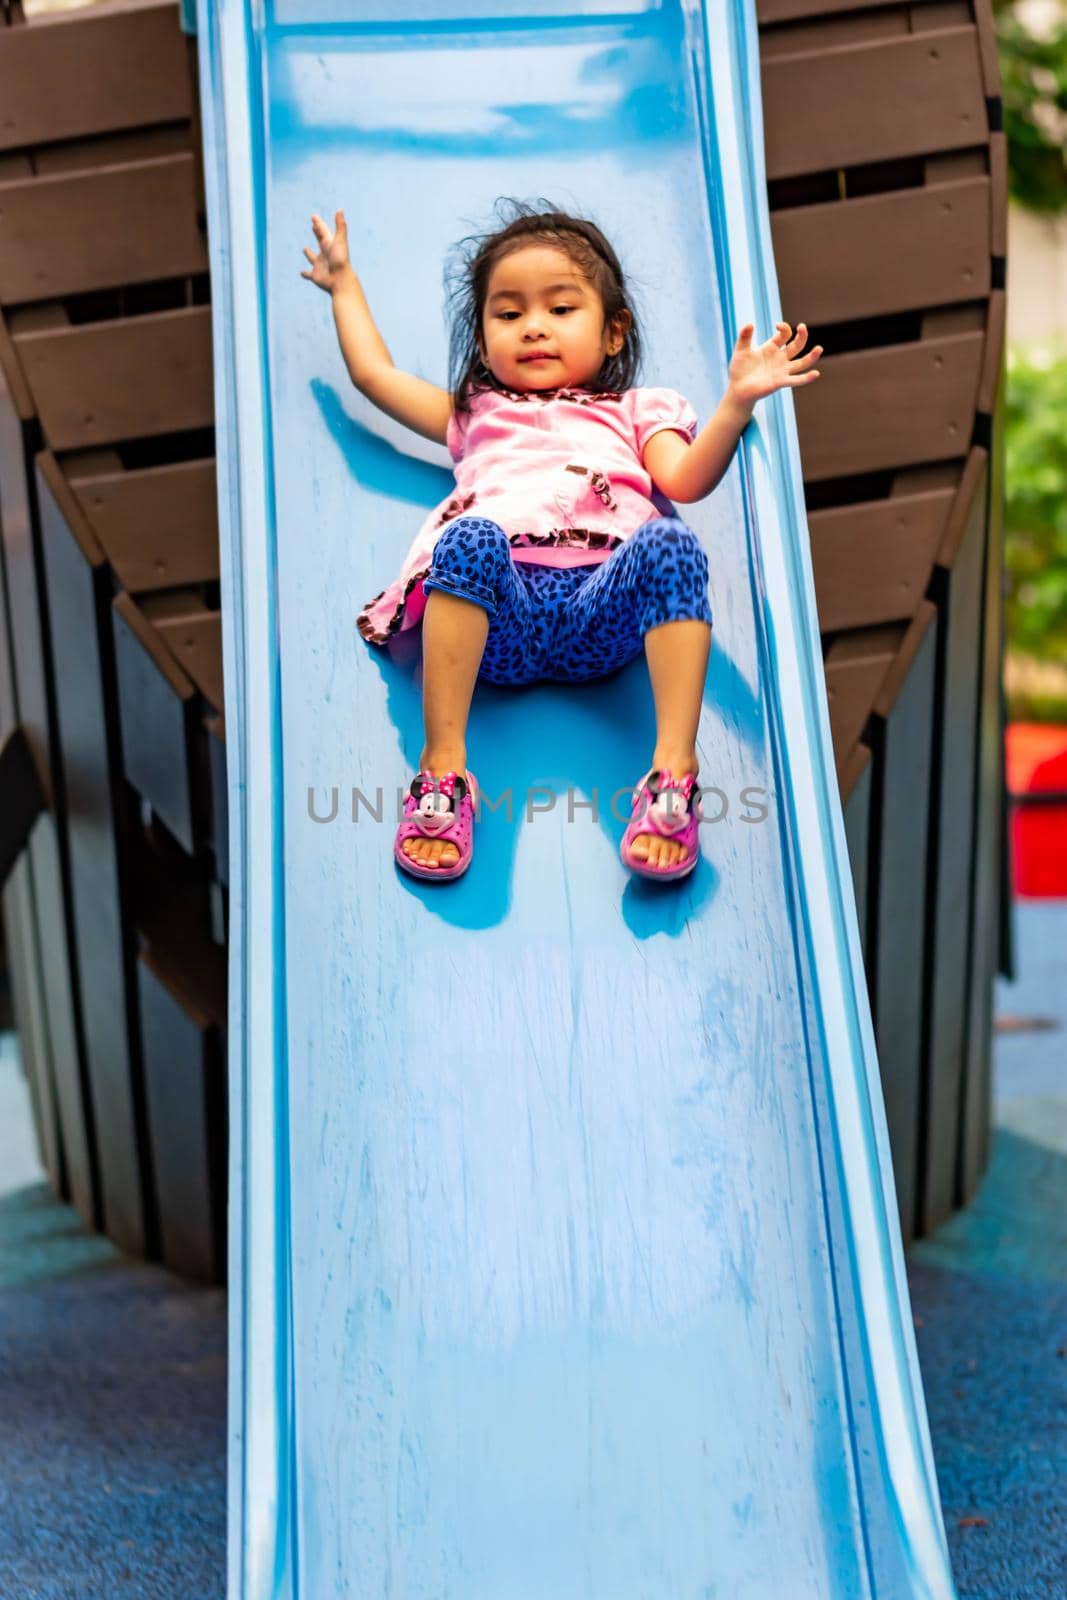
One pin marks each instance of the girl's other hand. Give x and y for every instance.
(777, 364)
(328, 268)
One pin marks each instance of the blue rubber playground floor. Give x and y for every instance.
(113, 1373)
(989, 1294)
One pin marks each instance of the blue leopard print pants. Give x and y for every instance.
(571, 623)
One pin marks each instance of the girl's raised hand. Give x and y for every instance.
(329, 265)
(777, 364)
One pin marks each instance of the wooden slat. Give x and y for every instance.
(104, 67)
(913, 642)
(29, 1005)
(855, 667)
(952, 842)
(912, 17)
(24, 798)
(890, 407)
(856, 798)
(197, 127)
(993, 354)
(99, 825)
(99, 229)
(958, 519)
(158, 525)
(1006, 942)
(883, 253)
(51, 1009)
(59, 1046)
(951, 166)
(905, 706)
(47, 317)
(196, 640)
(16, 164)
(778, 11)
(220, 821)
(127, 379)
(20, 947)
(852, 770)
(160, 728)
(770, 12)
(41, 1116)
(873, 102)
(13, 378)
(112, 149)
(931, 16)
(998, 187)
(834, 31)
(219, 913)
(872, 560)
(989, 756)
(183, 1014)
(987, 49)
(172, 904)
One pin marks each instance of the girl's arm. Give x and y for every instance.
(686, 472)
(420, 405)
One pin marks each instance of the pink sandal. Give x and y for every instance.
(439, 808)
(670, 807)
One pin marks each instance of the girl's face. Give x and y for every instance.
(542, 325)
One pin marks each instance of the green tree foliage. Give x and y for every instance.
(1033, 71)
(1035, 533)
(1033, 75)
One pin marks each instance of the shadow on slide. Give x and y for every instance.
(565, 1256)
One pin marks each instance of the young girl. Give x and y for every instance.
(559, 555)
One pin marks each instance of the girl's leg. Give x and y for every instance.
(474, 600)
(652, 592)
(677, 654)
(472, 587)
(454, 632)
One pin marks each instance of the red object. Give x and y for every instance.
(1037, 764)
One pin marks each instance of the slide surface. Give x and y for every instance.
(564, 1253)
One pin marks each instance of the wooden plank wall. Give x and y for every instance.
(46, 988)
(888, 214)
(888, 202)
(113, 642)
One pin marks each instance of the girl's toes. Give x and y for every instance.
(640, 847)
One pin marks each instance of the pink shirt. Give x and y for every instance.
(560, 470)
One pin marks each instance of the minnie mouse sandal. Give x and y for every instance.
(439, 807)
(670, 807)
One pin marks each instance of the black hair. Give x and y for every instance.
(475, 258)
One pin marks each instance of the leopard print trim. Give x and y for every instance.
(371, 634)
(455, 508)
(578, 538)
(580, 397)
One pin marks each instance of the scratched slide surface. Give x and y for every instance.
(563, 1259)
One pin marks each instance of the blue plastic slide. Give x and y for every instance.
(565, 1255)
